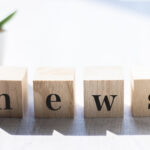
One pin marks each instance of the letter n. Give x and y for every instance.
(7, 101)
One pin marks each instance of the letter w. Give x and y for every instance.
(106, 101)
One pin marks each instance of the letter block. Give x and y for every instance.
(54, 92)
(13, 91)
(140, 91)
(103, 92)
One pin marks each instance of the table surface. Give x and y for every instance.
(76, 34)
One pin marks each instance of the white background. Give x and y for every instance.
(76, 33)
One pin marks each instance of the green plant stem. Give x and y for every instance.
(5, 20)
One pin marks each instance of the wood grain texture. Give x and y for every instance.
(58, 81)
(13, 81)
(25, 92)
(104, 81)
(140, 91)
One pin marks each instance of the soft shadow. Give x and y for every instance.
(47, 126)
(141, 126)
(135, 125)
(99, 126)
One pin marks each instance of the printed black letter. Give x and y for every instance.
(49, 101)
(106, 100)
(7, 101)
(149, 100)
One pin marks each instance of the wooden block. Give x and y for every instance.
(13, 91)
(54, 92)
(103, 92)
(140, 91)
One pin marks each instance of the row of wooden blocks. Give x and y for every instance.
(54, 92)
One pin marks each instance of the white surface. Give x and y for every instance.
(76, 33)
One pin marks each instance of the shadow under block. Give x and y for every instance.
(103, 92)
(54, 93)
(140, 91)
(13, 91)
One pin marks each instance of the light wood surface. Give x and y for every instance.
(103, 73)
(12, 73)
(13, 82)
(103, 81)
(58, 81)
(140, 91)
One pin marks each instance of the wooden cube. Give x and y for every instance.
(103, 92)
(13, 91)
(54, 92)
(140, 91)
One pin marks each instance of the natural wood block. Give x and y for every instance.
(54, 92)
(140, 91)
(103, 92)
(13, 91)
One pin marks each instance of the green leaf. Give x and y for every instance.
(5, 20)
